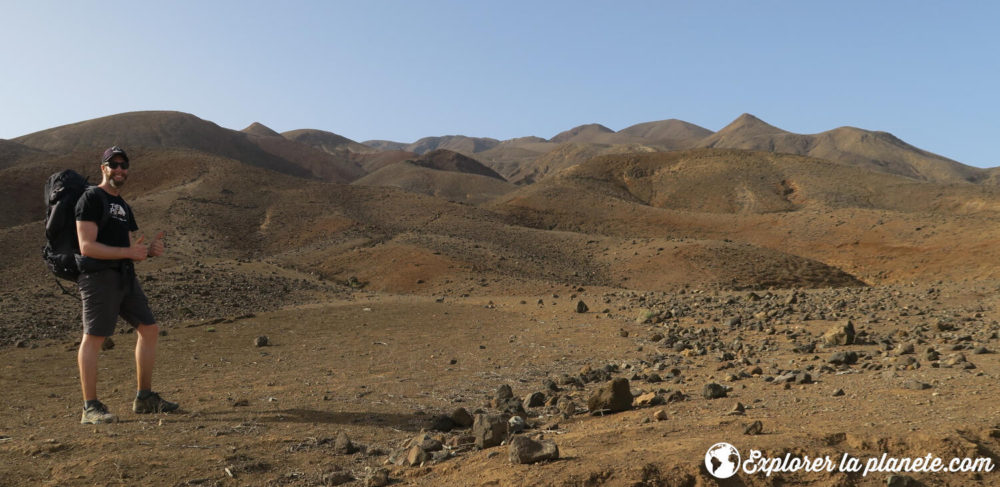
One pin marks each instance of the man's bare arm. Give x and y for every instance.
(86, 232)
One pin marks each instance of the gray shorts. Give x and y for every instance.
(109, 293)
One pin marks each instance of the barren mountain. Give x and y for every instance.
(442, 173)
(877, 151)
(465, 187)
(456, 143)
(336, 165)
(672, 133)
(386, 145)
(589, 133)
(11, 152)
(155, 130)
(260, 129)
(446, 160)
(839, 214)
(326, 141)
(373, 161)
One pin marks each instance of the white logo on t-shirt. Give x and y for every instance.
(118, 212)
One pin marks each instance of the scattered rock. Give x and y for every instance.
(489, 430)
(524, 450)
(840, 335)
(660, 415)
(738, 410)
(581, 307)
(916, 385)
(462, 418)
(534, 400)
(261, 341)
(844, 358)
(505, 401)
(838, 393)
(426, 442)
(901, 481)
(754, 428)
(378, 478)
(516, 424)
(566, 406)
(108, 344)
(343, 444)
(416, 456)
(713, 390)
(613, 397)
(649, 399)
(337, 477)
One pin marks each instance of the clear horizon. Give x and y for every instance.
(405, 70)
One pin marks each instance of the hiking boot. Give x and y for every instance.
(153, 403)
(96, 414)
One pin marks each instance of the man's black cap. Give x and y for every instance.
(114, 151)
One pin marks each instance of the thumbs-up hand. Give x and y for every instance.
(138, 251)
(156, 247)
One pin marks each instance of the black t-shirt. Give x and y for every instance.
(120, 220)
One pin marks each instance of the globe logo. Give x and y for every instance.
(722, 460)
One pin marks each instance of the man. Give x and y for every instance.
(109, 288)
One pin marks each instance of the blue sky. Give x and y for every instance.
(400, 70)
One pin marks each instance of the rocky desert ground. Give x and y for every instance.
(598, 308)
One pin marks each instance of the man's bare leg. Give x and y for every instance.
(145, 355)
(86, 359)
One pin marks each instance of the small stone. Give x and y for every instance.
(754, 428)
(844, 358)
(980, 350)
(338, 477)
(623, 333)
(462, 418)
(803, 378)
(581, 307)
(534, 400)
(840, 335)
(416, 456)
(567, 408)
(108, 344)
(838, 393)
(738, 410)
(714, 391)
(524, 450)
(649, 399)
(916, 385)
(901, 481)
(378, 478)
(489, 430)
(426, 442)
(442, 423)
(261, 341)
(343, 444)
(613, 397)
(516, 424)
(660, 415)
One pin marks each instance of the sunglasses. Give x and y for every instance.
(116, 165)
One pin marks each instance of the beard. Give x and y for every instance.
(117, 183)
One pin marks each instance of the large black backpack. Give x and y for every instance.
(62, 191)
